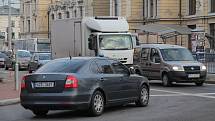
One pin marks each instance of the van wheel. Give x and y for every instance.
(143, 98)
(40, 113)
(199, 83)
(165, 81)
(97, 104)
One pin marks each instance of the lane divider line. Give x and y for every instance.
(185, 94)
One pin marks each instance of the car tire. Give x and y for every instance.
(199, 83)
(97, 104)
(143, 98)
(6, 68)
(40, 113)
(165, 81)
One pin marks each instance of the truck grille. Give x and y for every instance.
(122, 60)
(192, 69)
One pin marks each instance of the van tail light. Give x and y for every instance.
(71, 82)
(23, 85)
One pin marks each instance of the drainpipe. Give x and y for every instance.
(48, 24)
(180, 14)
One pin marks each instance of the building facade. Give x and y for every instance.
(198, 15)
(132, 10)
(15, 19)
(34, 18)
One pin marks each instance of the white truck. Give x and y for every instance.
(92, 36)
(33, 44)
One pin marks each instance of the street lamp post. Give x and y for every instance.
(9, 25)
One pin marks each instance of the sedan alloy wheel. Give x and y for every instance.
(97, 104)
(143, 99)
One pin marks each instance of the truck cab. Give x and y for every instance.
(111, 38)
(113, 45)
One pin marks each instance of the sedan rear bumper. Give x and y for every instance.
(55, 105)
(55, 101)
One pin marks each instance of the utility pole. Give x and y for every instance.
(9, 25)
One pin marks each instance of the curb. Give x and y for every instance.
(210, 82)
(9, 101)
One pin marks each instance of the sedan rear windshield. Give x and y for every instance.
(62, 66)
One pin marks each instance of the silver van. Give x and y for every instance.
(170, 63)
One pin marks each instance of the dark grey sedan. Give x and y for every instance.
(82, 83)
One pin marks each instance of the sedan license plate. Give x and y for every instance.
(43, 84)
(193, 75)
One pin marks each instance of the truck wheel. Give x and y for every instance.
(165, 80)
(143, 98)
(97, 104)
(40, 113)
(6, 68)
(199, 83)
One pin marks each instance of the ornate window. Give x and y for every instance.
(192, 7)
(212, 6)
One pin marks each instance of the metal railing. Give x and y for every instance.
(208, 59)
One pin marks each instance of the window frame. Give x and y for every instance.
(93, 63)
(120, 64)
(151, 55)
(192, 7)
(145, 58)
(99, 66)
(212, 7)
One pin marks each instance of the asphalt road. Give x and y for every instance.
(182, 102)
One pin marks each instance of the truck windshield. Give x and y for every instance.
(115, 42)
(177, 54)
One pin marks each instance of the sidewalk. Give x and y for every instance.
(210, 79)
(8, 94)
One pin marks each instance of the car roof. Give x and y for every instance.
(160, 46)
(81, 58)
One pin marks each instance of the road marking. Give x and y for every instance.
(166, 95)
(185, 94)
(206, 93)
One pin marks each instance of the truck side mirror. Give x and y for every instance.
(92, 44)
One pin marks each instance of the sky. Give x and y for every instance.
(13, 1)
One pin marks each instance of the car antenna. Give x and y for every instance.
(70, 57)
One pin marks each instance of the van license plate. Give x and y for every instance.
(43, 84)
(193, 75)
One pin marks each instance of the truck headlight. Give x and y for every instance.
(203, 68)
(178, 68)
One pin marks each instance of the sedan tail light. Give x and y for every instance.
(23, 85)
(71, 82)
